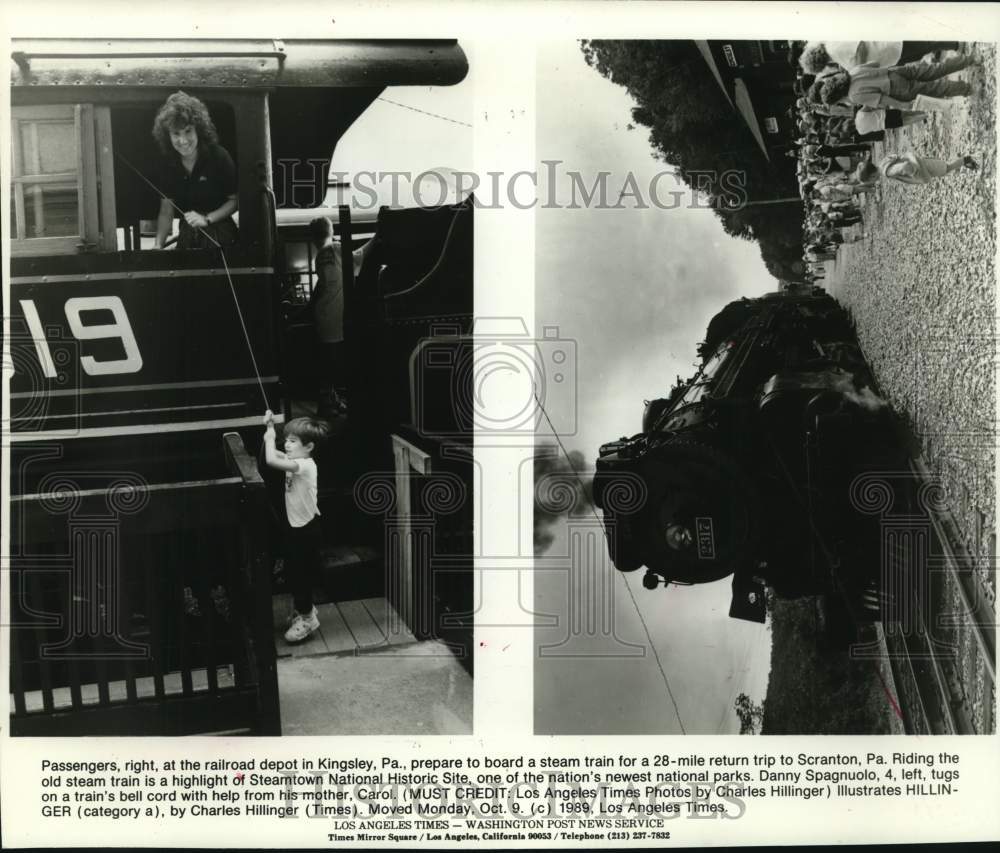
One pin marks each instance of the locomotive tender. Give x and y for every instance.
(757, 466)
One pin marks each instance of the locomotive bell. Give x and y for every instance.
(652, 411)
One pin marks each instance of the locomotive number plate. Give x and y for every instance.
(706, 537)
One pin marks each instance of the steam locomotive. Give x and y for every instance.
(758, 466)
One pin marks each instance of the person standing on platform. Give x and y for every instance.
(908, 168)
(327, 303)
(872, 86)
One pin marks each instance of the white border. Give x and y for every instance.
(504, 35)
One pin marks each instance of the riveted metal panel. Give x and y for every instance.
(237, 62)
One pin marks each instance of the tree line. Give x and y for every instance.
(694, 128)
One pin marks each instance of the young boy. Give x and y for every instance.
(302, 437)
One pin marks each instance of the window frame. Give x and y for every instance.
(94, 179)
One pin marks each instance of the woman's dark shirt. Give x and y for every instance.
(211, 182)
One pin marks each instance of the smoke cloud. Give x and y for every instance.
(563, 488)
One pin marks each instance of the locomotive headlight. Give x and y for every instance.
(679, 537)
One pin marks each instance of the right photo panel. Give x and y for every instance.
(764, 480)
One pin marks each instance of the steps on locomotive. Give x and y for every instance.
(845, 616)
(351, 565)
(346, 572)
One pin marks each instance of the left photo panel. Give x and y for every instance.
(240, 305)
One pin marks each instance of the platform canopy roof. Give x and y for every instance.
(705, 49)
(745, 108)
(743, 104)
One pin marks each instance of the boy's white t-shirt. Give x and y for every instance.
(300, 493)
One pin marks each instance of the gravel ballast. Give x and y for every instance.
(921, 289)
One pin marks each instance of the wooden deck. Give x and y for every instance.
(346, 627)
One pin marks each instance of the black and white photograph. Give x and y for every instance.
(240, 495)
(775, 262)
(556, 424)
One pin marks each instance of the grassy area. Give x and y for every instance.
(817, 690)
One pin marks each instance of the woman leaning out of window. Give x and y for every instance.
(199, 179)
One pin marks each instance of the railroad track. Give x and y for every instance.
(938, 628)
(938, 620)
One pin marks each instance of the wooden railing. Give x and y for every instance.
(144, 609)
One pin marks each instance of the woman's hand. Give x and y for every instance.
(195, 219)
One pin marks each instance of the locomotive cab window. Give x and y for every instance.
(89, 178)
(54, 179)
(148, 169)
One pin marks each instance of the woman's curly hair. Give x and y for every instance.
(835, 87)
(814, 57)
(183, 110)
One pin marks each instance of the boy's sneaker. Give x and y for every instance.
(302, 627)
